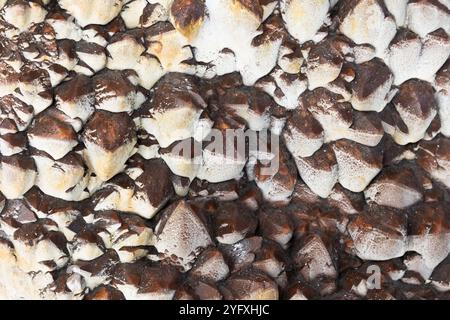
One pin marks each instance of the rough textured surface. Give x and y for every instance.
(100, 198)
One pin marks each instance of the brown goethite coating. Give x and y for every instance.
(109, 139)
(415, 108)
(253, 106)
(253, 6)
(188, 14)
(275, 225)
(177, 87)
(143, 191)
(115, 92)
(155, 170)
(78, 90)
(434, 158)
(440, 276)
(18, 174)
(369, 76)
(118, 179)
(233, 223)
(272, 260)
(345, 200)
(357, 164)
(303, 134)
(379, 233)
(324, 63)
(15, 114)
(210, 265)
(241, 255)
(51, 125)
(13, 143)
(276, 179)
(366, 128)
(250, 284)
(319, 171)
(409, 99)
(428, 233)
(195, 289)
(396, 186)
(104, 293)
(16, 212)
(181, 235)
(109, 130)
(371, 86)
(158, 281)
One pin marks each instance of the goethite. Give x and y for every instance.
(112, 188)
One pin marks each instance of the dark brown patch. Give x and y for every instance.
(109, 130)
(369, 77)
(187, 12)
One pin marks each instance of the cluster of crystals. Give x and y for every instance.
(96, 96)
